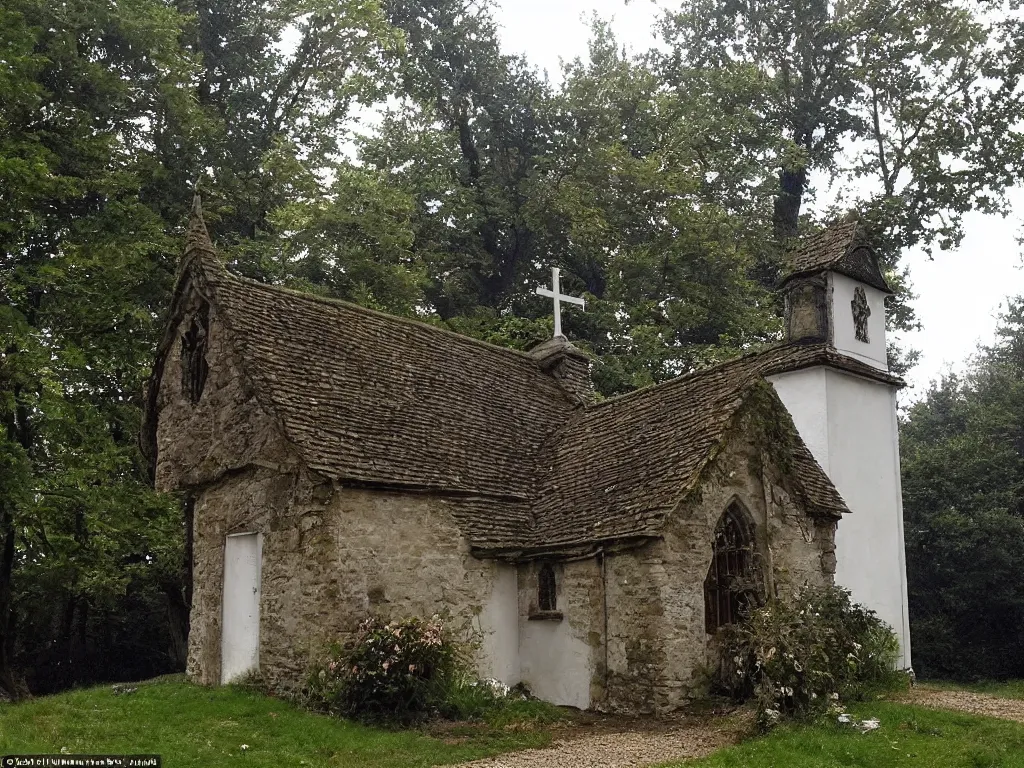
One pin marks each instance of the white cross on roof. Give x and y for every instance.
(554, 293)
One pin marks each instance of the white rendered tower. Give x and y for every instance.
(846, 411)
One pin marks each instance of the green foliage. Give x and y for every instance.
(875, 98)
(398, 670)
(491, 702)
(408, 670)
(108, 114)
(800, 657)
(94, 554)
(962, 451)
(164, 717)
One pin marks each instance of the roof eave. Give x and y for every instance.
(879, 284)
(574, 550)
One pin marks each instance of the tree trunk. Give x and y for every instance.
(792, 184)
(179, 594)
(177, 618)
(7, 683)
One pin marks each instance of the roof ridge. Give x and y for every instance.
(348, 305)
(689, 375)
(819, 346)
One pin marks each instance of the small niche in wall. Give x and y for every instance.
(547, 595)
(194, 367)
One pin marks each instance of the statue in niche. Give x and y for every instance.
(861, 313)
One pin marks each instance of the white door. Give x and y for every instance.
(240, 625)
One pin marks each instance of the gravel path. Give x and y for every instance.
(618, 750)
(967, 701)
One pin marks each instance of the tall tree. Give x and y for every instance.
(511, 176)
(81, 259)
(963, 487)
(461, 142)
(277, 87)
(911, 106)
(669, 250)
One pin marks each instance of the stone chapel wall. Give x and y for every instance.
(659, 653)
(226, 429)
(333, 556)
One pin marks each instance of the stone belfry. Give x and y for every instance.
(835, 299)
(835, 294)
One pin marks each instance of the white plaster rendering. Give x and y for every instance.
(240, 640)
(555, 660)
(864, 455)
(498, 628)
(554, 663)
(803, 394)
(844, 335)
(860, 454)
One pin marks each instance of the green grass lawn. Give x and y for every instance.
(194, 726)
(908, 736)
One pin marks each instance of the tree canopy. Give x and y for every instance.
(963, 490)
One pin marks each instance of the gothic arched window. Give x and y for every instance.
(193, 355)
(731, 583)
(546, 588)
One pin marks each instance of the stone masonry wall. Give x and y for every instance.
(331, 557)
(659, 653)
(226, 430)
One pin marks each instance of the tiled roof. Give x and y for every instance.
(839, 248)
(368, 398)
(619, 466)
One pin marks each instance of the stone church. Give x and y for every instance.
(341, 462)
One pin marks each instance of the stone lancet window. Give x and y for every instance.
(194, 367)
(731, 583)
(546, 588)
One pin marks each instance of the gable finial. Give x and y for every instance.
(556, 294)
(196, 237)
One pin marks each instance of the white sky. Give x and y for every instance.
(959, 292)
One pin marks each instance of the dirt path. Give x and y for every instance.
(646, 744)
(967, 701)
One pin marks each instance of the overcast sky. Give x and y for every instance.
(960, 292)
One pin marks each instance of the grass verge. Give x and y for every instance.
(194, 726)
(908, 736)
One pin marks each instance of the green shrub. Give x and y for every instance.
(799, 658)
(399, 670)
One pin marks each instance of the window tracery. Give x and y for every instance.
(731, 585)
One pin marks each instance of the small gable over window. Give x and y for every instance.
(194, 367)
(546, 588)
(731, 585)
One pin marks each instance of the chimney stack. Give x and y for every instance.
(568, 365)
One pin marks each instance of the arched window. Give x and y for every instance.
(546, 588)
(193, 355)
(731, 584)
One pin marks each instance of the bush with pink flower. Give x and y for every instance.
(393, 670)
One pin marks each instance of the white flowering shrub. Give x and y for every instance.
(799, 658)
(398, 670)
